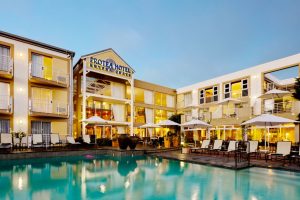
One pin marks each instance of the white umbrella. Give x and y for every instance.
(95, 120)
(274, 93)
(195, 123)
(267, 120)
(168, 123)
(149, 125)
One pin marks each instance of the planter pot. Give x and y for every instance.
(123, 140)
(133, 141)
(167, 144)
(185, 150)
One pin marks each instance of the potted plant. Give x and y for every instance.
(123, 141)
(133, 141)
(167, 142)
(175, 141)
(19, 134)
(185, 148)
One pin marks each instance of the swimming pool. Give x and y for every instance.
(107, 177)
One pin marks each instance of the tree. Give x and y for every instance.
(296, 94)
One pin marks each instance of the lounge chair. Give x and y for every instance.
(87, 140)
(252, 147)
(70, 141)
(217, 146)
(283, 150)
(37, 140)
(204, 146)
(297, 157)
(26, 141)
(16, 142)
(231, 148)
(6, 140)
(54, 138)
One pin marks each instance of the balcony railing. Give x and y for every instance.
(281, 107)
(6, 103)
(55, 76)
(50, 107)
(6, 64)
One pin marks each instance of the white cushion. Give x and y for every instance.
(205, 144)
(86, 139)
(54, 138)
(284, 148)
(232, 145)
(218, 144)
(37, 138)
(70, 140)
(253, 146)
(6, 138)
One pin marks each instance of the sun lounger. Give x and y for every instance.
(37, 140)
(232, 147)
(70, 141)
(26, 141)
(6, 140)
(217, 146)
(204, 146)
(87, 140)
(54, 138)
(252, 147)
(283, 150)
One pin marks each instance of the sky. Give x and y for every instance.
(168, 42)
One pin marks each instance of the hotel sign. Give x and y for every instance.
(109, 65)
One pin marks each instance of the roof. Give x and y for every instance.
(104, 50)
(36, 43)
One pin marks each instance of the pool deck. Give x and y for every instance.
(228, 162)
(169, 153)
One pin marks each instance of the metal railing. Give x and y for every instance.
(280, 107)
(56, 76)
(48, 106)
(6, 102)
(6, 64)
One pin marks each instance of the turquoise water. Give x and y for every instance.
(131, 178)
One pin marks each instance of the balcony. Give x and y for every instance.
(6, 66)
(42, 107)
(280, 107)
(38, 74)
(6, 104)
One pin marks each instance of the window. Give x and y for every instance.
(215, 97)
(160, 99)
(187, 99)
(139, 116)
(4, 58)
(4, 126)
(139, 95)
(202, 96)
(160, 115)
(227, 90)
(244, 87)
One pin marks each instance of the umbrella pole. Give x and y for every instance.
(269, 138)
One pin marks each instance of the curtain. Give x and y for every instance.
(44, 128)
(119, 115)
(4, 95)
(4, 126)
(170, 101)
(149, 119)
(37, 63)
(118, 90)
(187, 99)
(148, 96)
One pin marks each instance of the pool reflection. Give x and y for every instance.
(139, 178)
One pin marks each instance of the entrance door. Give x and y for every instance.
(41, 127)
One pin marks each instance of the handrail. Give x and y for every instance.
(6, 63)
(280, 107)
(48, 106)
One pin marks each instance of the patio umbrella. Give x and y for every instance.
(167, 123)
(95, 120)
(267, 120)
(274, 93)
(229, 100)
(195, 123)
(149, 125)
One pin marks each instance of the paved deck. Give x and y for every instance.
(225, 162)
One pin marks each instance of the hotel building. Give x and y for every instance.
(104, 85)
(226, 101)
(35, 80)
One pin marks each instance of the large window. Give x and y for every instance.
(236, 89)
(4, 58)
(209, 95)
(101, 109)
(139, 95)
(187, 99)
(160, 99)
(139, 116)
(160, 115)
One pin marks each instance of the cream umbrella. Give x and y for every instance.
(97, 120)
(167, 123)
(149, 125)
(195, 123)
(274, 93)
(229, 100)
(267, 120)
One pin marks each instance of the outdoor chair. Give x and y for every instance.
(204, 146)
(71, 141)
(283, 151)
(217, 146)
(16, 142)
(55, 140)
(37, 140)
(232, 147)
(297, 157)
(6, 140)
(252, 147)
(26, 141)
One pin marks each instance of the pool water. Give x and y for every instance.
(107, 177)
